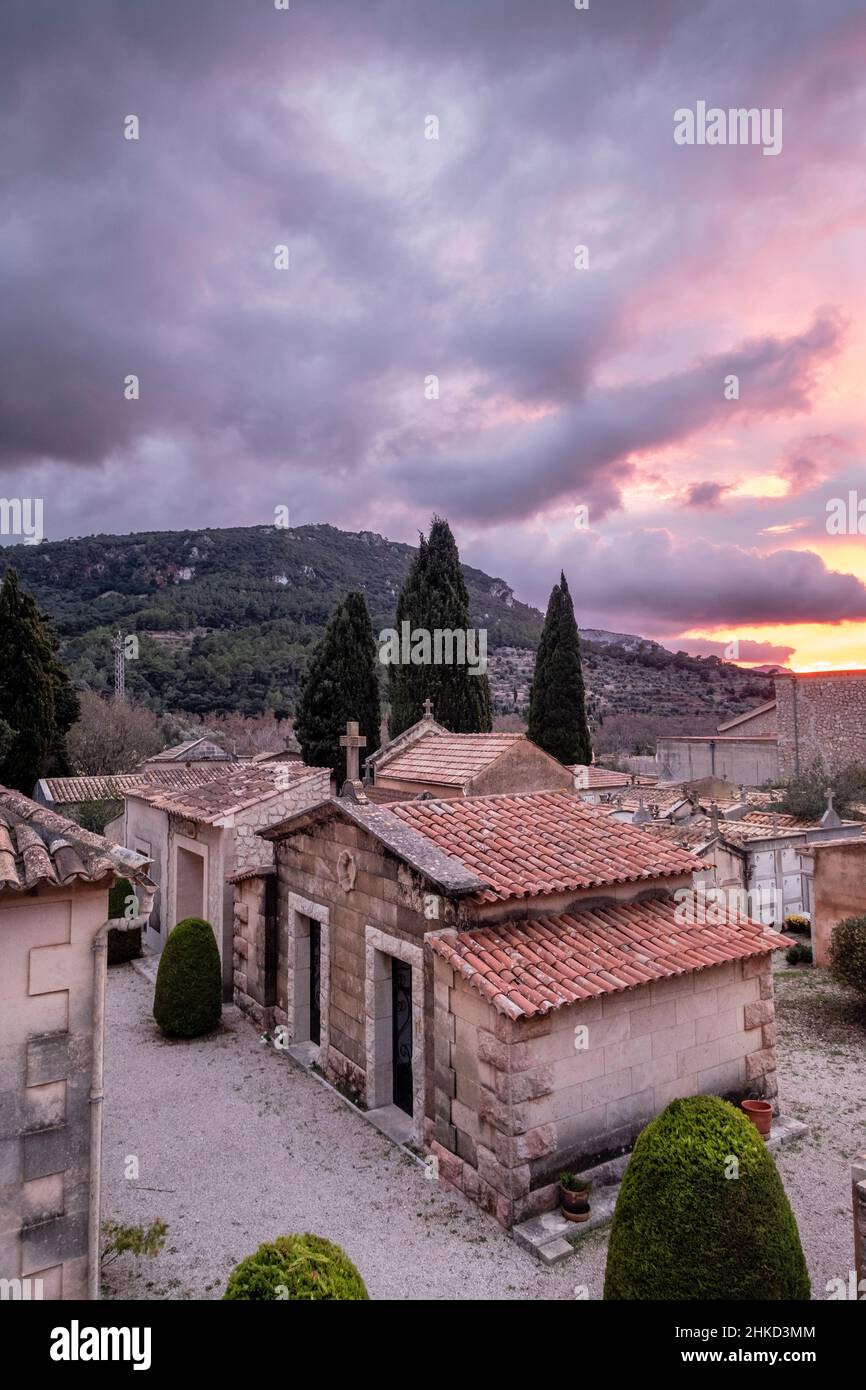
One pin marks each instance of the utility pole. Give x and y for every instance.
(119, 667)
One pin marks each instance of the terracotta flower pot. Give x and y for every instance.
(574, 1204)
(760, 1112)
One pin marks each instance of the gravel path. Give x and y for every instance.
(242, 1146)
(236, 1145)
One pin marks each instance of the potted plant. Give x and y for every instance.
(760, 1112)
(574, 1197)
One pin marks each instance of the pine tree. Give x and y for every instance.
(342, 683)
(557, 704)
(37, 700)
(434, 598)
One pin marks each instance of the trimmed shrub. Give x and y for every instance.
(123, 946)
(799, 954)
(188, 996)
(682, 1229)
(296, 1268)
(848, 953)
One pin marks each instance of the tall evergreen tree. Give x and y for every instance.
(557, 702)
(342, 683)
(434, 598)
(37, 700)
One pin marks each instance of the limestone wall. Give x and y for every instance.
(46, 1057)
(542, 1095)
(821, 719)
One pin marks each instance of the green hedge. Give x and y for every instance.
(682, 1229)
(188, 996)
(848, 953)
(296, 1268)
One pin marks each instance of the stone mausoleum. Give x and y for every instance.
(506, 980)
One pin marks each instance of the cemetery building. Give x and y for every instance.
(54, 885)
(427, 759)
(197, 837)
(502, 978)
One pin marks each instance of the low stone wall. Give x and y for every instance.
(531, 1097)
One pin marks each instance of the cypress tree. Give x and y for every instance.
(434, 597)
(342, 683)
(37, 700)
(557, 702)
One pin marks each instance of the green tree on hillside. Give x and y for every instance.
(342, 684)
(434, 597)
(557, 704)
(37, 700)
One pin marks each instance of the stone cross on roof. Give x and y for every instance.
(428, 708)
(352, 741)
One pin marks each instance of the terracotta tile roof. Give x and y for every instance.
(63, 791)
(193, 750)
(541, 842)
(38, 846)
(589, 777)
(233, 792)
(447, 759)
(420, 851)
(771, 818)
(530, 967)
(692, 834)
(650, 798)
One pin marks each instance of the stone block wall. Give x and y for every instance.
(250, 849)
(46, 1059)
(821, 720)
(575, 1087)
(249, 951)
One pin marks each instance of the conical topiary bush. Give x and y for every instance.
(188, 996)
(702, 1213)
(296, 1268)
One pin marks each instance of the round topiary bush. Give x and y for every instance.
(848, 953)
(296, 1268)
(682, 1229)
(188, 996)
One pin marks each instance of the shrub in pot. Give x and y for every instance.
(687, 1226)
(296, 1268)
(574, 1196)
(848, 953)
(187, 1000)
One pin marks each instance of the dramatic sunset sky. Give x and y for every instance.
(559, 387)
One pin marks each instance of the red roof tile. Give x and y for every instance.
(542, 842)
(447, 759)
(530, 967)
(38, 846)
(236, 791)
